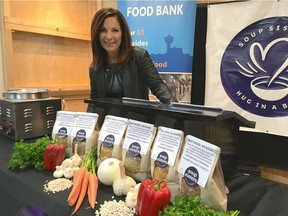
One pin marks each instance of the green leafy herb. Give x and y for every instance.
(28, 155)
(191, 206)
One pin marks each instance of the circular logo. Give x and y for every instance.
(162, 159)
(254, 68)
(109, 140)
(191, 176)
(134, 149)
(81, 135)
(62, 132)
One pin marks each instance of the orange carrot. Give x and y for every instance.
(92, 189)
(89, 188)
(82, 194)
(78, 178)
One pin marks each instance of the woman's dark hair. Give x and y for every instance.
(100, 54)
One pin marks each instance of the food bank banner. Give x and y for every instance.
(165, 29)
(247, 62)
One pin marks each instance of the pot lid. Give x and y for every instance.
(26, 94)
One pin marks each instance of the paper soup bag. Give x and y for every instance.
(164, 157)
(200, 173)
(83, 133)
(63, 128)
(136, 152)
(214, 194)
(111, 138)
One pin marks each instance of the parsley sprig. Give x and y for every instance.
(26, 155)
(191, 206)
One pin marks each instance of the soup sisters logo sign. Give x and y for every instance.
(254, 68)
(250, 51)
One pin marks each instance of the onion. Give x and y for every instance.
(108, 171)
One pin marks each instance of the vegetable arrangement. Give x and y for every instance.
(191, 205)
(85, 182)
(28, 155)
(150, 197)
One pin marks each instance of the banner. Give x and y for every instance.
(247, 62)
(166, 30)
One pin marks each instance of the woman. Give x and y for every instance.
(118, 69)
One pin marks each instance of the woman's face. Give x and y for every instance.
(110, 35)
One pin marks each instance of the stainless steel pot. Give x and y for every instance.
(26, 94)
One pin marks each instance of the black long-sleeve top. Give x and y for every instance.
(138, 76)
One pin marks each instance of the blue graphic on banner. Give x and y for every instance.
(165, 29)
(254, 68)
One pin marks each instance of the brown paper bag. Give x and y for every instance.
(111, 138)
(214, 195)
(162, 170)
(83, 133)
(136, 153)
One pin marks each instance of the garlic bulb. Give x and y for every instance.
(68, 172)
(59, 172)
(75, 168)
(131, 198)
(124, 183)
(76, 159)
(67, 163)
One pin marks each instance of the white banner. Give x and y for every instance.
(247, 62)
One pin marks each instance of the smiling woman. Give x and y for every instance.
(119, 69)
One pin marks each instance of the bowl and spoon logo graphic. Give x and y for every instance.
(254, 68)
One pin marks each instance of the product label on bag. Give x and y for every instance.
(63, 125)
(64, 119)
(85, 123)
(166, 146)
(138, 137)
(198, 160)
(113, 130)
(83, 133)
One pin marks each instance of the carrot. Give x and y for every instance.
(78, 178)
(92, 189)
(81, 182)
(82, 194)
(89, 188)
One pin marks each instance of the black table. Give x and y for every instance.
(249, 194)
(254, 196)
(25, 187)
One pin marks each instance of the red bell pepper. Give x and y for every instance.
(153, 197)
(53, 156)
